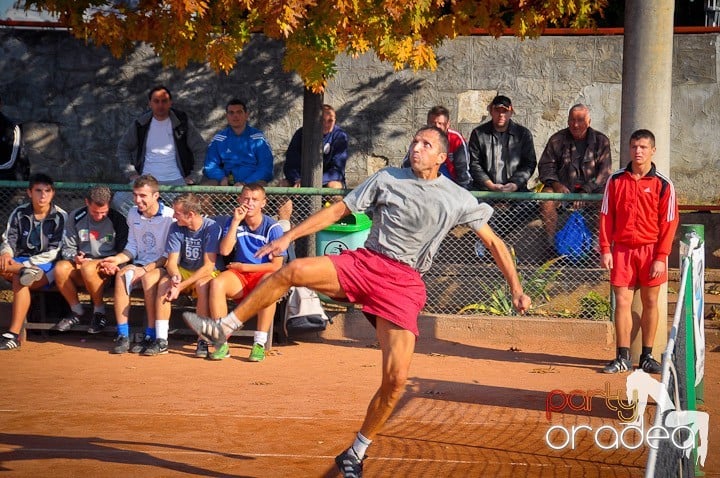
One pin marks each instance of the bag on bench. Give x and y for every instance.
(303, 312)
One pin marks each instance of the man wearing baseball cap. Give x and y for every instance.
(502, 153)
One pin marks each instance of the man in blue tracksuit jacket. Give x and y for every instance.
(238, 154)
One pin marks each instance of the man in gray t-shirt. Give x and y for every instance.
(413, 209)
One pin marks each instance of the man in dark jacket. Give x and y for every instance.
(30, 244)
(576, 159)
(502, 153)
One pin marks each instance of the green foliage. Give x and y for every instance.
(595, 307)
(402, 32)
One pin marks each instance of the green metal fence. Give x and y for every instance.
(463, 278)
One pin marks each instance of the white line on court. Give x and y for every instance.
(141, 413)
(231, 454)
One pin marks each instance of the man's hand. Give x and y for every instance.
(606, 261)
(657, 269)
(522, 303)
(560, 188)
(239, 213)
(80, 258)
(508, 188)
(189, 181)
(6, 261)
(275, 248)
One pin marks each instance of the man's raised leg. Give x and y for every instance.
(317, 273)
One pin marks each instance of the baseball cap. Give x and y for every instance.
(501, 100)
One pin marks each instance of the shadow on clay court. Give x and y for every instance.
(34, 447)
(489, 395)
(511, 355)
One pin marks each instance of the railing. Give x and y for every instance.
(464, 278)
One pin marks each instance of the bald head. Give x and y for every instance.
(579, 121)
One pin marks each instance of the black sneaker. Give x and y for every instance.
(66, 324)
(160, 346)
(201, 351)
(98, 323)
(122, 345)
(349, 464)
(649, 364)
(140, 347)
(618, 365)
(9, 341)
(30, 275)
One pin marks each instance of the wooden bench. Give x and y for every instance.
(39, 306)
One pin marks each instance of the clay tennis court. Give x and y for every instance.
(473, 407)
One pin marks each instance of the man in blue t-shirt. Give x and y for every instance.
(192, 249)
(238, 154)
(244, 234)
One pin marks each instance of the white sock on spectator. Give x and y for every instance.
(162, 329)
(99, 309)
(77, 309)
(260, 338)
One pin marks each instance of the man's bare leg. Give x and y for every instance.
(397, 346)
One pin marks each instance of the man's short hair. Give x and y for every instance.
(190, 203)
(439, 110)
(253, 187)
(236, 102)
(159, 88)
(444, 145)
(99, 195)
(643, 133)
(40, 178)
(328, 108)
(147, 180)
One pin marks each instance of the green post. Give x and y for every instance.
(687, 232)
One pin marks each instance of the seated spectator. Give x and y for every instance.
(577, 160)
(238, 154)
(502, 153)
(455, 166)
(29, 247)
(141, 263)
(334, 149)
(92, 232)
(244, 234)
(192, 249)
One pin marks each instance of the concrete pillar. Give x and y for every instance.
(646, 98)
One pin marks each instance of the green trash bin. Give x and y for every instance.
(349, 232)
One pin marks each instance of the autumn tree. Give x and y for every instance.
(402, 32)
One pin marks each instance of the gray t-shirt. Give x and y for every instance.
(411, 216)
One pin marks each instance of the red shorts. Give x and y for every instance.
(386, 288)
(631, 266)
(249, 281)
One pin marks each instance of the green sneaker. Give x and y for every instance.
(220, 352)
(257, 354)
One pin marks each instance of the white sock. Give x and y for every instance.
(260, 338)
(360, 446)
(162, 329)
(77, 309)
(230, 324)
(99, 309)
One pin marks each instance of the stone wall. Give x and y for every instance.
(76, 100)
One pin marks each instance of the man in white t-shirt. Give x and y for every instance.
(161, 142)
